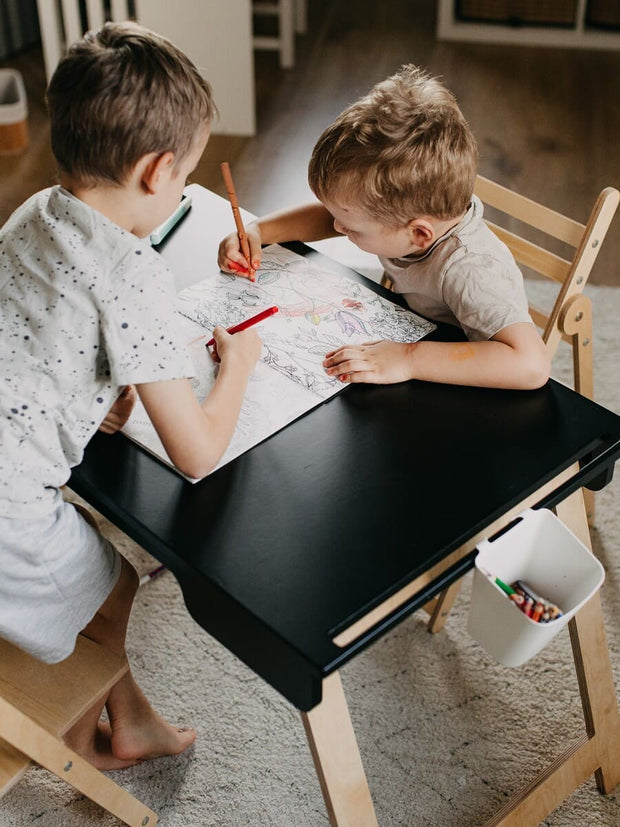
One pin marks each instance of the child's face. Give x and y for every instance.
(369, 234)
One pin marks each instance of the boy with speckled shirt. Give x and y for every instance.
(87, 315)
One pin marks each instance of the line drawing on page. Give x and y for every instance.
(319, 310)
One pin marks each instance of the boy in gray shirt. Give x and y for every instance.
(87, 310)
(395, 173)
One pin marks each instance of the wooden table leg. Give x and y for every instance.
(598, 750)
(337, 759)
(593, 665)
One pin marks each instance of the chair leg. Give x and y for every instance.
(301, 16)
(439, 608)
(284, 43)
(50, 752)
(287, 34)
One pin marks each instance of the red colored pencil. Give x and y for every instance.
(237, 328)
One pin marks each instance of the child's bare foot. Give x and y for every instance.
(138, 733)
(151, 738)
(97, 749)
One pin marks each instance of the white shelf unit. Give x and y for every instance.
(579, 36)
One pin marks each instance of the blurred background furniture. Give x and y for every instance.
(19, 26)
(586, 24)
(217, 37)
(291, 17)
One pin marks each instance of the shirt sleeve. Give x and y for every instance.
(485, 295)
(140, 328)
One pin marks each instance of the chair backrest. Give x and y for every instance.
(570, 273)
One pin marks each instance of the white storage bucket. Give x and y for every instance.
(13, 112)
(541, 551)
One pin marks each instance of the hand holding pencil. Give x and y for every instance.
(248, 265)
(240, 351)
(220, 335)
(259, 317)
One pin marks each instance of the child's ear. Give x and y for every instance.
(422, 232)
(153, 166)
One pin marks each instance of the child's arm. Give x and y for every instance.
(120, 411)
(310, 222)
(195, 436)
(514, 358)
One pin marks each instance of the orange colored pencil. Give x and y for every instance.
(232, 195)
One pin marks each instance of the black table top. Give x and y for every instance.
(290, 543)
(282, 548)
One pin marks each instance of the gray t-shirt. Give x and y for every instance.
(85, 308)
(468, 278)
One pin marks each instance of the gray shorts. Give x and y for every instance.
(55, 572)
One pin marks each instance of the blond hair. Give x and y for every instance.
(120, 93)
(402, 151)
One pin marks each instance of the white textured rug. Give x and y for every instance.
(445, 733)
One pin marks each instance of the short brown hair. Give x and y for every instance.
(402, 151)
(119, 94)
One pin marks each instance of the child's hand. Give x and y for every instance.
(120, 411)
(381, 363)
(230, 259)
(241, 349)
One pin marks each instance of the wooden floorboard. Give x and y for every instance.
(547, 120)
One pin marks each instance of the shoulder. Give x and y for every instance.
(135, 261)
(114, 254)
(28, 213)
(474, 248)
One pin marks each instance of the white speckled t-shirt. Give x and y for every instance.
(85, 308)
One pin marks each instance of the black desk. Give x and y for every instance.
(310, 546)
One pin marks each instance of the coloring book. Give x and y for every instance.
(319, 310)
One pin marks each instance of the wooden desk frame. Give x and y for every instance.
(597, 751)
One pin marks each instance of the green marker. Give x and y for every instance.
(503, 586)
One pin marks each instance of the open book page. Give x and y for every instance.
(265, 409)
(319, 310)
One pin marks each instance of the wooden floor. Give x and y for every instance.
(547, 120)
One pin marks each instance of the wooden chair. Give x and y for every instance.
(41, 702)
(570, 318)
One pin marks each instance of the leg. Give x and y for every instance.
(337, 759)
(136, 732)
